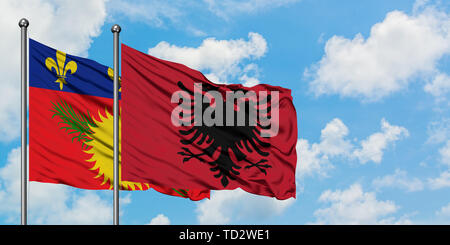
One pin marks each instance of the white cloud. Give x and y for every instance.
(160, 219)
(372, 148)
(10, 184)
(250, 74)
(440, 182)
(399, 180)
(439, 131)
(226, 207)
(311, 160)
(354, 206)
(332, 138)
(439, 86)
(445, 153)
(315, 158)
(443, 180)
(65, 25)
(227, 8)
(71, 208)
(419, 5)
(49, 203)
(249, 81)
(220, 60)
(386, 61)
(444, 211)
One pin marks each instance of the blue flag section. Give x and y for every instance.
(73, 74)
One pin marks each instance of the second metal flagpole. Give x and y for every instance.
(116, 30)
(23, 24)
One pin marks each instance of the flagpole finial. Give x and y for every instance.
(115, 28)
(24, 22)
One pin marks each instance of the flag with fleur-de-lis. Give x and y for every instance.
(71, 123)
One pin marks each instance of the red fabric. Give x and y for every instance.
(55, 157)
(151, 143)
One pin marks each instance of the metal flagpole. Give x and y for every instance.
(23, 23)
(116, 30)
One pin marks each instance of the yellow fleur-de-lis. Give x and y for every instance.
(61, 68)
(111, 75)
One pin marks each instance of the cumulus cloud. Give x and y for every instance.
(311, 160)
(332, 138)
(440, 182)
(445, 153)
(372, 148)
(160, 219)
(438, 131)
(439, 86)
(316, 158)
(226, 207)
(399, 179)
(66, 25)
(387, 60)
(49, 203)
(353, 206)
(220, 60)
(443, 180)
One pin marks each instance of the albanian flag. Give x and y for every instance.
(71, 124)
(180, 128)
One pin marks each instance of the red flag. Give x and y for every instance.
(180, 128)
(71, 124)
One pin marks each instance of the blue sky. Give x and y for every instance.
(370, 82)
